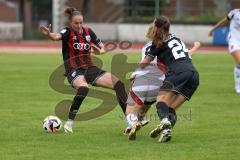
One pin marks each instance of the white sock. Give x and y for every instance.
(237, 74)
(131, 118)
(128, 125)
(69, 122)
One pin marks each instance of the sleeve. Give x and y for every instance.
(94, 37)
(65, 33)
(154, 52)
(231, 14)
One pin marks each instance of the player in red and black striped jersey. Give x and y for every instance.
(77, 44)
(76, 48)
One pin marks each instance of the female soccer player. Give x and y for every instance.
(146, 84)
(181, 78)
(233, 41)
(77, 42)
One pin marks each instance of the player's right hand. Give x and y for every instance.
(133, 76)
(45, 30)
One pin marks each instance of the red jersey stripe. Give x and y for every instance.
(90, 43)
(71, 51)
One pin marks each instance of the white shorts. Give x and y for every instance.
(233, 45)
(145, 86)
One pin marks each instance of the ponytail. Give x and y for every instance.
(163, 24)
(71, 12)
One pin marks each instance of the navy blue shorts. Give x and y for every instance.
(184, 83)
(90, 74)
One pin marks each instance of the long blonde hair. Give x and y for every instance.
(150, 33)
(159, 34)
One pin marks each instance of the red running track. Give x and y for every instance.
(41, 46)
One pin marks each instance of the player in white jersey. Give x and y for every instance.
(233, 41)
(146, 83)
(145, 86)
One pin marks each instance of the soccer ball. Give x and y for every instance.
(52, 124)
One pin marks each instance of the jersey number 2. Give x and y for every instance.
(178, 48)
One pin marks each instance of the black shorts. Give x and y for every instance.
(184, 83)
(90, 74)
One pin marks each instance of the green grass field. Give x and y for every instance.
(208, 126)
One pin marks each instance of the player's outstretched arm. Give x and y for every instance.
(145, 62)
(220, 23)
(195, 47)
(46, 31)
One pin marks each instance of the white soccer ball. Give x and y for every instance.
(52, 124)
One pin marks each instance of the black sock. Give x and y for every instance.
(77, 101)
(121, 95)
(162, 110)
(172, 116)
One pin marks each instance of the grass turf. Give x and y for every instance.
(208, 126)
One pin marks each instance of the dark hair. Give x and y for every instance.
(71, 12)
(163, 25)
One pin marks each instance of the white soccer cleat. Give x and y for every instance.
(238, 91)
(164, 124)
(165, 136)
(68, 128)
(237, 87)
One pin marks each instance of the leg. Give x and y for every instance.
(168, 102)
(178, 101)
(108, 80)
(164, 113)
(142, 111)
(164, 100)
(132, 119)
(82, 89)
(236, 56)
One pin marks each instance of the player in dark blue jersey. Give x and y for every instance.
(77, 45)
(181, 79)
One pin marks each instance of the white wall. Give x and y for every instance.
(11, 31)
(191, 33)
(105, 31)
(136, 32)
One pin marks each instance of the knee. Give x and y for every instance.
(82, 91)
(236, 56)
(118, 84)
(80, 85)
(163, 98)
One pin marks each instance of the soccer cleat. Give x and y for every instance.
(164, 124)
(134, 129)
(127, 131)
(68, 128)
(238, 91)
(237, 88)
(144, 122)
(165, 136)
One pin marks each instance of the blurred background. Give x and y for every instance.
(116, 19)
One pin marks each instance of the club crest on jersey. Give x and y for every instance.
(88, 38)
(74, 74)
